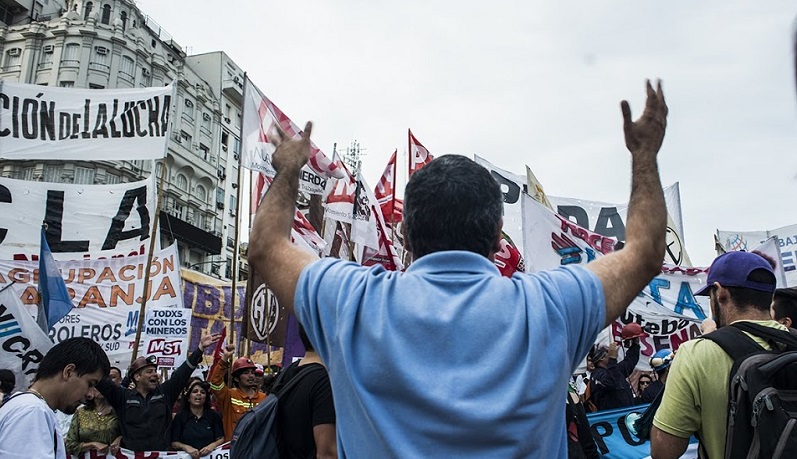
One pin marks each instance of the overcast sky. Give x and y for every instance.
(535, 83)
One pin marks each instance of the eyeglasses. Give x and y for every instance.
(644, 383)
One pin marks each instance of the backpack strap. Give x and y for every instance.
(295, 381)
(734, 342)
(773, 335)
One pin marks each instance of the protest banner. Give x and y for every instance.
(44, 122)
(221, 452)
(106, 294)
(265, 320)
(615, 441)
(512, 186)
(609, 220)
(165, 336)
(785, 236)
(667, 308)
(213, 304)
(24, 344)
(83, 221)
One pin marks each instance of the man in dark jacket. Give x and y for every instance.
(610, 388)
(145, 413)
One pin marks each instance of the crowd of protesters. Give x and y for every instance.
(406, 353)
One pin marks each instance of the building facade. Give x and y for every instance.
(112, 44)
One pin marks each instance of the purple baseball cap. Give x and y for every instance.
(731, 270)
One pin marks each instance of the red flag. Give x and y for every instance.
(508, 259)
(419, 155)
(385, 193)
(217, 353)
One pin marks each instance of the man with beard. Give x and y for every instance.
(145, 413)
(234, 401)
(65, 376)
(740, 286)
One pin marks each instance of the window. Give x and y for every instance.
(180, 210)
(113, 179)
(158, 169)
(199, 219)
(233, 204)
(71, 55)
(27, 173)
(67, 84)
(13, 59)
(201, 194)
(89, 6)
(47, 57)
(185, 139)
(127, 68)
(123, 17)
(204, 151)
(84, 175)
(106, 14)
(188, 111)
(52, 173)
(99, 60)
(96, 86)
(227, 110)
(182, 182)
(220, 196)
(146, 77)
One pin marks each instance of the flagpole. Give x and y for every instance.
(393, 202)
(231, 331)
(153, 236)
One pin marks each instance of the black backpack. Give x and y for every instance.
(762, 405)
(255, 435)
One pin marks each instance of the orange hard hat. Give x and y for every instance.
(242, 363)
(632, 330)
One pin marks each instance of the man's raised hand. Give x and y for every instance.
(646, 134)
(291, 154)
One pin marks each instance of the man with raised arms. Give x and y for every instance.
(450, 359)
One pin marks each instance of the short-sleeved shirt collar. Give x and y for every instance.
(453, 261)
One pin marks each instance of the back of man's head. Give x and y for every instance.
(452, 204)
(784, 305)
(748, 277)
(86, 355)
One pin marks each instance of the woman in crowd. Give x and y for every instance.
(94, 427)
(197, 429)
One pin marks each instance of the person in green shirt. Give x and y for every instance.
(94, 427)
(740, 286)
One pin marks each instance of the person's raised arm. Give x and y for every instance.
(270, 249)
(625, 273)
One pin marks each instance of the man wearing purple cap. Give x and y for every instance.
(740, 285)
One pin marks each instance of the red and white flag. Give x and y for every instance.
(302, 233)
(419, 155)
(260, 116)
(385, 193)
(386, 255)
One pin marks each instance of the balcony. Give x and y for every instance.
(189, 234)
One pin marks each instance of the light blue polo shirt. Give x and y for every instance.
(449, 359)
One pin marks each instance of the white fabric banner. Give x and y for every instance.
(667, 308)
(221, 452)
(107, 296)
(512, 186)
(24, 344)
(260, 116)
(84, 221)
(609, 219)
(785, 238)
(43, 122)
